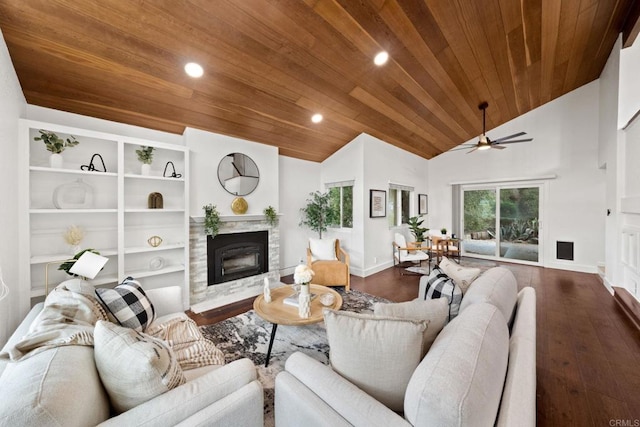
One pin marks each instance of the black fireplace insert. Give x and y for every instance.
(237, 255)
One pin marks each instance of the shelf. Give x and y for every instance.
(39, 292)
(146, 210)
(148, 273)
(152, 177)
(42, 259)
(71, 211)
(72, 171)
(143, 249)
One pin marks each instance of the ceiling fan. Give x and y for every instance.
(484, 143)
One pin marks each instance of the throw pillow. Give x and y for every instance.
(439, 285)
(128, 304)
(323, 249)
(463, 276)
(377, 354)
(133, 366)
(435, 312)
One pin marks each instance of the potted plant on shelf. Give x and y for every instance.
(145, 156)
(416, 229)
(211, 220)
(55, 145)
(443, 231)
(270, 215)
(318, 213)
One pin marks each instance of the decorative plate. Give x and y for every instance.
(239, 206)
(73, 195)
(156, 263)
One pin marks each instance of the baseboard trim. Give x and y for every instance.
(628, 303)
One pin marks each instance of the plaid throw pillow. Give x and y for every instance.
(440, 285)
(128, 304)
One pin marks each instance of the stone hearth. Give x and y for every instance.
(203, 297)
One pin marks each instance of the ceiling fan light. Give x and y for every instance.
(484, 146)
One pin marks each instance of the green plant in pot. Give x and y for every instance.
(270, 215)
(317, 214)
(145, 156)
(418, 232)
(211, 220)
(443, 231)
(55, 145)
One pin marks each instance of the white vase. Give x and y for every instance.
(56, 161)
(145, 169)
(304, 302)
(266, 291)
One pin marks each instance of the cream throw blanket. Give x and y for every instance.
(68, 317)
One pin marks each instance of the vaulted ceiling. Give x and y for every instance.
(270, 64)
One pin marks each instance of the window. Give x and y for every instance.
(341, 202)
(399, 204)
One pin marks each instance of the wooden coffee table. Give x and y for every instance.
(278, 313)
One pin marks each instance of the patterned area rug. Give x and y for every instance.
(247, 335)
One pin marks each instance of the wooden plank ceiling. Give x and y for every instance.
(271, 64)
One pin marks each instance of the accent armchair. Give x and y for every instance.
(403, 254)
(329, 262)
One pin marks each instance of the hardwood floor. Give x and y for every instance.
(588, 351)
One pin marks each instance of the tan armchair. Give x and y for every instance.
(329, 272)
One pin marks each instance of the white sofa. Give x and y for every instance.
(61, 386)
(480, 371)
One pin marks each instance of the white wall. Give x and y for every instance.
(384, 164)
(207, 149)
(344, 165)
(12, 107)
(608, 141)
(297, 178)
(565, 133)
(629, 102)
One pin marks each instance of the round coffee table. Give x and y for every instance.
(278, 313)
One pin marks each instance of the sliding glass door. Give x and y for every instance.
(502, 222)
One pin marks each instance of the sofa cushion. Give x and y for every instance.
(498, 287)
(128, 304)
(134, 367)
(323, 249)
(439, 285)
(377, 354)
(435, 312)
(463, 276)
(56, 387)
(459, 382)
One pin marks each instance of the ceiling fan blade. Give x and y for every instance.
(472, 150)
(499, 147)
(463, 147)
(504, 138)
(515, 141)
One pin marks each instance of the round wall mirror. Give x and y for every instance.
(238, 174)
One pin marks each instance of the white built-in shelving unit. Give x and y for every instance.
(117, 222)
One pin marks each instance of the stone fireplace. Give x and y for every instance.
(237, 237)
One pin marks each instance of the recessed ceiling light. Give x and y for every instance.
(193, 69)
(381, 58)
(316, 118)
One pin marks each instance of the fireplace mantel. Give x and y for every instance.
(233, 218)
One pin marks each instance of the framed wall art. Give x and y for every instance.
(422, 204)
(377, 203)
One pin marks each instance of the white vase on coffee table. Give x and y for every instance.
(304, 302)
